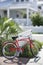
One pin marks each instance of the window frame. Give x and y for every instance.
(22, 0)
(17, 0)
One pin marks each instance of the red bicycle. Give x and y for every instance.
(12, 49)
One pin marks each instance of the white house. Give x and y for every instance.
(19, 10)
(40, 6)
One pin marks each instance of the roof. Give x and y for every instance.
(5, 3)
(40, 2)
(11, 4)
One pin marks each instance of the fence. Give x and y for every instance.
(36, 29)
(23, 22)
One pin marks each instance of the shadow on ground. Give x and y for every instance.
(17, 61)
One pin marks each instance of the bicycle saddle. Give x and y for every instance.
(14, 37)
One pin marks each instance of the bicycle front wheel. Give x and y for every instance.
(9, 50)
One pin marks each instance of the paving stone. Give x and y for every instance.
(37, 61)
(23, 61)
(33, 64)
(16, 61)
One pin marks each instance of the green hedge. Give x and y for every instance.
(1, 48)
(27, 52)
(9, 52)
(39, 44)
(37, 19)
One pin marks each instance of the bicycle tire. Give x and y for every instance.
(8, 57)
(34, 49)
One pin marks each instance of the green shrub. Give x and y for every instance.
(37, 19)
(39, 45)
(8, 51)
(7, 29)
(1, 48)
(27, 52)
(9, 54)
(1, 45)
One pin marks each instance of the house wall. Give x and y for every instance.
(1, 13)
(2, 0)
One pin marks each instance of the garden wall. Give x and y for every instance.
(35, 29)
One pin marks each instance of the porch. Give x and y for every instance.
(21, 16)
(23, 22)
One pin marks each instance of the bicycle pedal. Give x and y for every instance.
(37, 58)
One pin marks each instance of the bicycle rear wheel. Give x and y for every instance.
(34, 49)
(9, 50)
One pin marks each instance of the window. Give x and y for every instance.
(17, 15)
(5, 12)
(24, 16)
(27, 0)
(17, 0)
(40, 0)
(39, 7)
(22, 0)
(0, 16)
(31, 0)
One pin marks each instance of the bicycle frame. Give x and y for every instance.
(16, 42)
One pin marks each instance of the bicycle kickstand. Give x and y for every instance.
(37, 58)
